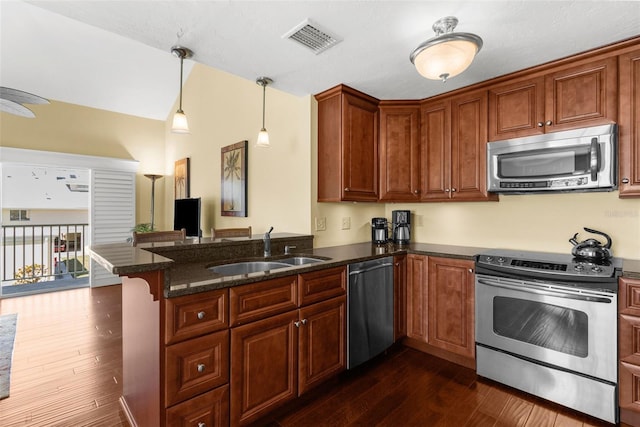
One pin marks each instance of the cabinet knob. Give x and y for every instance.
(297, 323)
(453, 190)
(446, 190)
(201, 315)
(625, 180)
(346, 189)
(471, 270)
(416, 191)
(548, 123)
(540, 124)
(304, 321)
(202, 424)
(201, 367)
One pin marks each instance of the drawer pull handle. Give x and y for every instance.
(201, 315)
(201, 367)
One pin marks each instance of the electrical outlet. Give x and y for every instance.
(346, 223)
(321, 224)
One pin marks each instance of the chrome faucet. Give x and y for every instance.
(267, 243)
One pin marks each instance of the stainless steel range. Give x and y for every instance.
(547, 324)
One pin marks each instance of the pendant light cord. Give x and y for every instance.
(181, 67)
(264, 94)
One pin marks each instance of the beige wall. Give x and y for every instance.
(223, 109)
(69, 128)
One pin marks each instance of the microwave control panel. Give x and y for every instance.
(556, 183)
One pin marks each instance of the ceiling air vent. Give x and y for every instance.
(311, 36)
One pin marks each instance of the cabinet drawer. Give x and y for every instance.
(195, 366)
(194, 315)
(629, 394)
(629, 296)
(257, 301)
(321, 285)
(210, 409)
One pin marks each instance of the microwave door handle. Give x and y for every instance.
(594, 165)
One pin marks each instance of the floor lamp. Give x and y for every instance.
(153, 179)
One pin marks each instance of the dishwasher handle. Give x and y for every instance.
(371, 268)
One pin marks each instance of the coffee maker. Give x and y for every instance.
(401, 227)
(379, 231)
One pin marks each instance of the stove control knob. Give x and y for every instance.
(489, 258)
(596, 269)
(501, 260)
(578, 267)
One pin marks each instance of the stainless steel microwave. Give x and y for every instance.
(575, 160)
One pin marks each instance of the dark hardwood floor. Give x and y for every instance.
(67, 371)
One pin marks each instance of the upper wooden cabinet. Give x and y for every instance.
(629, 124)
(565, 98)
(347, 146)
(399, 151)
(454, 147)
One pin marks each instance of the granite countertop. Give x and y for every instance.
(187, 277)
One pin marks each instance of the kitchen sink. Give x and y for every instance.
(301, 260)
(248, 267)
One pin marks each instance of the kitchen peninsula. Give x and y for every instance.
(180, 355)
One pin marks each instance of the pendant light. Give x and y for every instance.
(263, 136)
(180, 124)
(447, 54)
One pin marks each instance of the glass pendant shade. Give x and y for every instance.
(448, 54)
(180, 124)
(263, 138)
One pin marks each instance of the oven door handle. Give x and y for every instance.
(534, 290)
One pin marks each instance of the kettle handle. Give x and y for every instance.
(591, 230)
(574, 240)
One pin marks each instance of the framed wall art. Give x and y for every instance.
(234, 180)
(181, 179)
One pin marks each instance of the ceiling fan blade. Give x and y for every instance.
(15, 108)
(20, 96)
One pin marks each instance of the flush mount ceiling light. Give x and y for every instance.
(263, 136)
(180, 124)
(447, 54)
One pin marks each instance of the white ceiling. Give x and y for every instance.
(115, 55)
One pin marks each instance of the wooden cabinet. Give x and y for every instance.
(451, 305)
(347, 146)
(568, 97)
(278, 357)
(399, 151)
(417, 297)
(629, 350)
(399, 297)
(629, 124)
(453, 155)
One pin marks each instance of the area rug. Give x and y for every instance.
(7, 338)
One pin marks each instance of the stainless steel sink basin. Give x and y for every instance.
(301, 260)
(248, 267)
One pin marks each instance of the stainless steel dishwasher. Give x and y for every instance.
(369, 310)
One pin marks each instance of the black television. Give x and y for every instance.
(186, 214)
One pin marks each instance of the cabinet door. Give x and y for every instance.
(322, 342)
(435, 150)
(399, 297)
(359, 149)
(399, 152)
(582, 96)
(469, 147)
(417, 297)
(263, 366)
(451, 305)
(629, 124)
(516, 109)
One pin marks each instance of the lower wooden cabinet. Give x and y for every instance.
(451, 305)
(629, 350)
(440, 307)
(277, 358)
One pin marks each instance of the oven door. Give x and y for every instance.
(553, 324)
